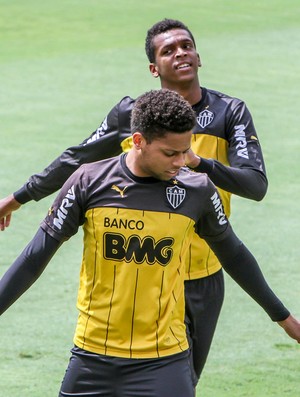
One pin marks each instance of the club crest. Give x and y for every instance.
(205, 118)
(175, 195)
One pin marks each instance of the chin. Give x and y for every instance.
(167, 177)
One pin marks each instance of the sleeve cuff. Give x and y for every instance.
(22, 195)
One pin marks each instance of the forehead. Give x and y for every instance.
(171, 37)
(173, 141)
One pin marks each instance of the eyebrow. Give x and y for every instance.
(176, 151)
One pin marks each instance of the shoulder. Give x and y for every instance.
(95, 170)
(124, 108)
(194, 180)
(213, 95)
(199, 193)
(99, 165)
(126, 103)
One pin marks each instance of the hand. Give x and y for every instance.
(7, 205)
(291, 326)
(191, 159)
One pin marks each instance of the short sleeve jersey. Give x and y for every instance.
(137, 234)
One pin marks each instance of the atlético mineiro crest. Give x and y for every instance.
(205, 118)
(175, 195)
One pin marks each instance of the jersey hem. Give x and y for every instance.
(203, 273)
(136, 354)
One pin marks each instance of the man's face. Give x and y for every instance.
(176, 59)
(163, 157)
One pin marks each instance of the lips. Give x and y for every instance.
(183, 65)
(173, 172)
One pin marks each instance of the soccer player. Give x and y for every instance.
(139, 212)
(226, 146)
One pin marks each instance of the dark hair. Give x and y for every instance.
(158, 112)
(162, 27)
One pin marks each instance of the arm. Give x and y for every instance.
(103, 143)
(241, 265)
(27, 268)
(249, 183)
(54, 176)
(54, 230)
(246, 175)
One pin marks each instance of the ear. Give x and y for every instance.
(137, 139)
(154, 70)
(199, 61)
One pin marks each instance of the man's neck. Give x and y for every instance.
(131, 161)
(191, 93)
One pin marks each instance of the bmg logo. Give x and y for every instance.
(137, 249)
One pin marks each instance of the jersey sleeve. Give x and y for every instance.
(236, 259)
(246, 174)
(62, 221)
(212, 223)
(243, 268)
(27, 268)
(103, 143)
(67, 212)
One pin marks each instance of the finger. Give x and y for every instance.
(8, 219)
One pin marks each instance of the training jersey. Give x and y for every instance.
(223, 135)
(137, 234)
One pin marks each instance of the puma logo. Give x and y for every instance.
(117, 189)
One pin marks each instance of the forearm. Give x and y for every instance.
(244, 270)
(55, 174)
(250, 278)
(245, 182)
(103, 143)
(27, 268)
(45, 183)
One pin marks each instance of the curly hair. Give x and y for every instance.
(161, 27)
(158, 112)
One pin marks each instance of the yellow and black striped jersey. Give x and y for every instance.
(137, 235)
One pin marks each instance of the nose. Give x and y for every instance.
(179, 160)
(180, 52)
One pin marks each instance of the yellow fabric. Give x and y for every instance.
(115, 293)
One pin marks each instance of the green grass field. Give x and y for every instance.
(64, 64)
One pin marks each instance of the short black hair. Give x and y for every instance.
(158, 112)
(161, 27)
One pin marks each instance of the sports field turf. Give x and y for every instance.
(63, 65)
